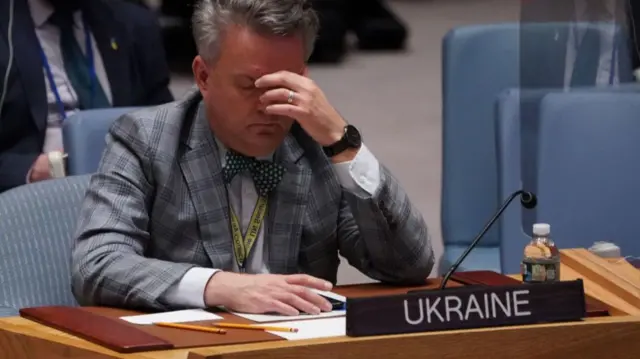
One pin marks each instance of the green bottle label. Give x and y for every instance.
(539, 272)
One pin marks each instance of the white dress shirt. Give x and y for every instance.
(362, 174)
(607, 62)
(49, 38)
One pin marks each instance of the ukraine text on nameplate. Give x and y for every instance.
(466, 307)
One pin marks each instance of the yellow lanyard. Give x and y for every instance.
(242, 245)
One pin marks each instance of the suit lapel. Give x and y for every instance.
(28, 60)
(202, 172)
(114, 45)
(287, 206)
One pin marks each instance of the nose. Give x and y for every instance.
(258, 102)
(261, 108)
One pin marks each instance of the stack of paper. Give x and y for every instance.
(323, 325)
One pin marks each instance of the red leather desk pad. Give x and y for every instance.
(102, 326)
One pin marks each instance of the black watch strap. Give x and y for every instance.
(350, 139)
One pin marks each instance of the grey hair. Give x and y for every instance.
(273, 17)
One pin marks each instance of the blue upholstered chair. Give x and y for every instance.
(84, 137)
(585, 171)
(480, 62)
(37, 223)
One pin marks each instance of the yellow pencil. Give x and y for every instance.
(255, 327)
(191, 327)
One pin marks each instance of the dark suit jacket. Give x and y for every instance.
(633, 15)
(137, 72)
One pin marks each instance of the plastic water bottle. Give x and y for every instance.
(541, 262)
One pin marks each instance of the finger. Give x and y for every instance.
(312, 297)
(273, 305)
(280, 95)
(308, 281)
(283, 79)
(292, 299)
(292, 111)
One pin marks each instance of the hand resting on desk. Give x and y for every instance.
(267, 293)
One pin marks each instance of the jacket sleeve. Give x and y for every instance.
(380, 231)
(108, 263)
(14, 168)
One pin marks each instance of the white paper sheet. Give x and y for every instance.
(313, 329)
(263, 318)
(178, 316)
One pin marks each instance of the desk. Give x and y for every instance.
(607, 337)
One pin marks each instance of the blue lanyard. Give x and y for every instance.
(92, 71)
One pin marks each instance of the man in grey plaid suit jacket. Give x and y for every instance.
(170, 219)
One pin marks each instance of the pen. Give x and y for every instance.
(191, 327)
(258, 327)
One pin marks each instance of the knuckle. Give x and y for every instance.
(299, 290)
(290, 297)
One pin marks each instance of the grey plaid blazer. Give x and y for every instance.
(157, 207)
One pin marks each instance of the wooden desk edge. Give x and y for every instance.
(318, 348)
(18, 329)
(17, 341)
(23, 336)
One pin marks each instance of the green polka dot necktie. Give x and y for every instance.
(266, 175)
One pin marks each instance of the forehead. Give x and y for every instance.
(247, 52)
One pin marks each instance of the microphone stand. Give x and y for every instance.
(529, 202)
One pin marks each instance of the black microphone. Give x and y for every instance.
(528, 201)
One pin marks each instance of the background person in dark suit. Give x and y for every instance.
(571, 56)
(97, 53)
(633, 9)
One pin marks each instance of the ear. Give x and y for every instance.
(200, 73)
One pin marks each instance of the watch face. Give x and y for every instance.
(353, 136)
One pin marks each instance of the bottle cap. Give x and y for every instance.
(541, 229)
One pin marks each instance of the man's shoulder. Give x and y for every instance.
(129, 12)
(126, 6)
(167, 118)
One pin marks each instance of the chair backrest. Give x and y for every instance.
(37, 224)
(589, 170)
(84, 137)
(479, 62)
(523, 156)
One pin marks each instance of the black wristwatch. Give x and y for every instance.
(350, 139)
